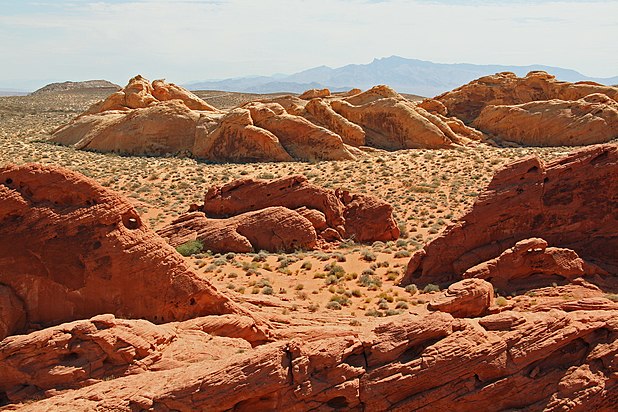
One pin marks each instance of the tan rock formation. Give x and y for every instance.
(531, 264)
(559, 201)
(314, 93)
(71, 249)
(589, 120)
(235, 139)
(167, 127)
(323, 114)
(467, 102)
(274, 229)
(301, 138)
(465, 299)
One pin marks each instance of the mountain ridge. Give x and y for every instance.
(415, 76)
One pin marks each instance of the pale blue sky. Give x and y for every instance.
(185, 40)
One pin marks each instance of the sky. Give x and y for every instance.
(189, 40)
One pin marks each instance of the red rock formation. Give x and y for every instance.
(531, 264)
(467, 102)
(571, 202)
(274, 229)
(362, 218)
(71, 249)
(465, 299)
(544, 361)
(81, 353)
(323, 114)
(589, 120)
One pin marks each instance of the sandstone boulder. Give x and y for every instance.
(465, 299)
(275, 229)
(362, 218)
(531, 264)
(559, 201)
(467, 102)
(589, 120)
(71, 249)
(236, 139)
(167, 127)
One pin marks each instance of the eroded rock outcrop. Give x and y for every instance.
(71, 249)
(589, 120)
(531, 264)
(544, 361)
(465, 299)
(286, 214)
(571, 202)
(274, 229)
(467, 102)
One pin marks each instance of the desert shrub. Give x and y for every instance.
(430, 287)
(612, 296)
(401, 305)
(501, 301)
(402, 254)
(333, 305)
(306, 265)
(374, 313)
(267, 290)
(368, 255)
(368, 279)
(411, 289)
(190, 248)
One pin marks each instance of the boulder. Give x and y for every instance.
(559, 201)
(531, 264)
(589, 120)
(468, 101)
(465, 299)
(275, 229)
(72, 249)
(323, 114)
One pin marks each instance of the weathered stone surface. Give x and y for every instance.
(314, 93)
(531, 264)
(589, 120)
(236, 139)
(81, 353)
(545, 361)
(467, 102)
(360, 217)
(301, 138)
(167, 127)
(12, 312)
(559, 201)
(465, 299)
(71, 249)
(274, 229)
(323, 114)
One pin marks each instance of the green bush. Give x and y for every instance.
(190, 248)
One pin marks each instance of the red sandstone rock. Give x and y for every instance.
(71, 249)
(560, 201)
(467, 102)
(544, 361)
(274, 229)
(81, 353)
(362, 218)
(589, 120)
(531, 264)
(465, 299)
(323, 114)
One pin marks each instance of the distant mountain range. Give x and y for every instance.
(404, 75)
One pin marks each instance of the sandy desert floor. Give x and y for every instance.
(427, 188)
